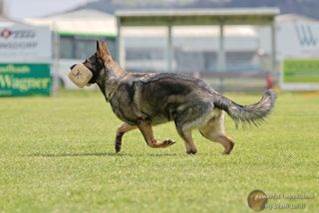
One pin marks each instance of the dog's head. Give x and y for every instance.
(93, 67)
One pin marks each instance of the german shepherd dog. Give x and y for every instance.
(142, 100)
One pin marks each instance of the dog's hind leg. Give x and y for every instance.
(191, 116)
(214, 130)
(147, 131)
(119, 135)
(188, 139)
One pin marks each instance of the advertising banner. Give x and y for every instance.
(24, 43)
(25, 60)
(300, 74)
(298, 40)
(25, 79)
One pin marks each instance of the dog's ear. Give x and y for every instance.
(103, 51)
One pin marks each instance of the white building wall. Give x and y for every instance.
(296, 36)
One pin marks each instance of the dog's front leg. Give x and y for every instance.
(119, 134)
(147, 131)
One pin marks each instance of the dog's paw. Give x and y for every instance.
(228, 150)
(191, 152)
(168, 142)
(117, 147)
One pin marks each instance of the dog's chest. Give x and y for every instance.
(124, 106)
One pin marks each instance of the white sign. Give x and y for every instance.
(298, 39)
(23, 43)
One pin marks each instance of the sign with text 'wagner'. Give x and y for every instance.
(25, 79)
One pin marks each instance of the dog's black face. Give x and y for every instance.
(95, 64)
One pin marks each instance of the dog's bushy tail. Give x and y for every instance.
(249, 113)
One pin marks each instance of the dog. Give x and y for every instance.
(142, 100)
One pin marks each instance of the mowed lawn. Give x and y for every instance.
(57, 155)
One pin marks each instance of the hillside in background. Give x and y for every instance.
(303, 7)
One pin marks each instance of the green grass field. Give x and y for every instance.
(57, 155)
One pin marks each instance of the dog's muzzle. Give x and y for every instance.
(80, 75)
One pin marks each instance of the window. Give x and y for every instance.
(84, 48)
(81, 47)
(66, 47)
(144, 53)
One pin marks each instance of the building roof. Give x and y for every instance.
(294, 17)
(6, 22)
(84, 22)
(197, 16)
(81, 14)
(93, 22)
(200, 12)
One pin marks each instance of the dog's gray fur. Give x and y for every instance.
(142, 100)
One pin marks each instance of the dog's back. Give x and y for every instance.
(160, 97)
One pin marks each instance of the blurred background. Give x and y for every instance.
(235, 45)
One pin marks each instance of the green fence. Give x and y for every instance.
(25, 79)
